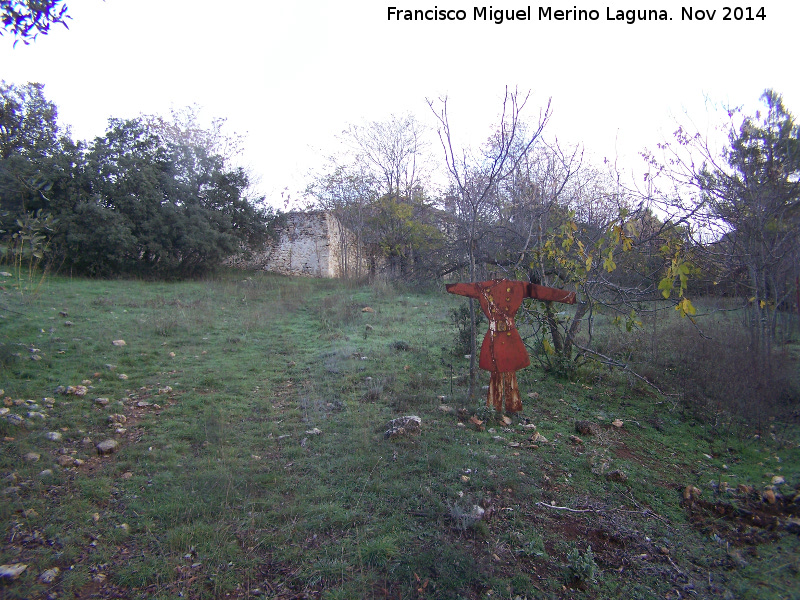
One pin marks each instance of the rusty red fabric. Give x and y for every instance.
(502, 350)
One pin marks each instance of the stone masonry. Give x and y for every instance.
(311, 244)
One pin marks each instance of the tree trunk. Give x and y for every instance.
(473, 338)
(574, 328)
(552, 323)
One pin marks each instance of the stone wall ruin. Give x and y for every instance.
(310, 244)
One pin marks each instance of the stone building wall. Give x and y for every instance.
(311, 245)
(304, 247)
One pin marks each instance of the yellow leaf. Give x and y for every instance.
(609, 264)
(547, 347)
(685, 307)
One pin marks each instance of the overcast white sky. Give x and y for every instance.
(292, 75)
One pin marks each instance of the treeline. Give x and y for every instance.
(152, 197)
(696, 223)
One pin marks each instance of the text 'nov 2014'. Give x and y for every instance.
(630, 16)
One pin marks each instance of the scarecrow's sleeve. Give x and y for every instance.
(463, 289)
(548, 294)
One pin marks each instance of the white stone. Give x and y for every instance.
(12, 571)
(50, 575)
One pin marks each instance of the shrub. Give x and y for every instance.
(713, 368)
(459, 317)
(581, 567)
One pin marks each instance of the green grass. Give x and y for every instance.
(219, 491)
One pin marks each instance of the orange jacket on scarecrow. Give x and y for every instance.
(502, 349)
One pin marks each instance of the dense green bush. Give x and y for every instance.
(131, 202)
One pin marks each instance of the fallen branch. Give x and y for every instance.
(645, 512)
(575, 510)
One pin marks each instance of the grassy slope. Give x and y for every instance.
(219, 491)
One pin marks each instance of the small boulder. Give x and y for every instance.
(107, 447)
(119, 343)
(14, 419)
(617, 476)
(538, 438)
(587, 427)
(50, 575)
(65, 461)
(12, 572)
(409, 425)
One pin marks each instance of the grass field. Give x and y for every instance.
(250, 413)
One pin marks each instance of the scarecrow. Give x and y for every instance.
(502, 351)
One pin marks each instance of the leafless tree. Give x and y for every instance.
(184, 127)
(392, 149)
(475, 177)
